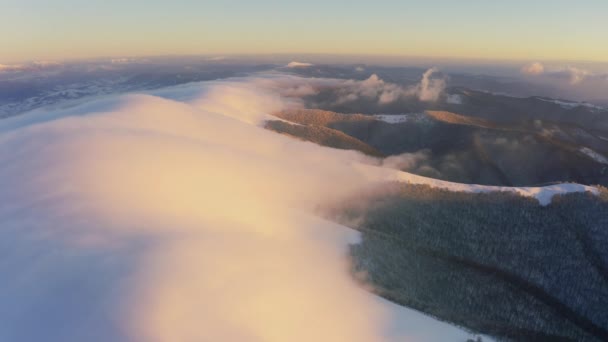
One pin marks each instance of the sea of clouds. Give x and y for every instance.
(173, 216)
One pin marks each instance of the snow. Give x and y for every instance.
(399, 118)
(403, 324)
(392, 119)
(412, 325)
(594, 155)
(454, 99)
(571, 104)
(65, 94)
(544, 194)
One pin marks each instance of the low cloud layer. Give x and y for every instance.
(209, 215)
(174, 217)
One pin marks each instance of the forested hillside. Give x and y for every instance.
(496, 263)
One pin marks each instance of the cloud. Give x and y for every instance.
(535, 68)
(12, 67)
(217, 58)
(127, 60)
(373, 89)
(407, 161)
(35, 65)
(587, 82)
(572, 74)
(175, 221)
(430, 88)
(173, 216)
(295, 64)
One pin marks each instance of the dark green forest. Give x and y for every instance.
(494, 263)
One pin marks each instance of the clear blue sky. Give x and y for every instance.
(542, 29)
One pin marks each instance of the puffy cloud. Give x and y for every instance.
(574, 75)
(407, 161)
(430, 88)
(372, 88)
(295, 64)
(535, 68)
(339, 91)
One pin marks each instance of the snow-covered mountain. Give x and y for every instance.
(148, 209)
(137, 211)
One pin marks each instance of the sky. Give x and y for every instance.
(498, 30)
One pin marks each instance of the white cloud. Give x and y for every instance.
(574, 75)
(295, 64)
(222, 208)
(175, 221)
(127, 60)
(407, 161)
(372, 88)
(430, 88)
(13, 67)
(35, 65)
(535, 68)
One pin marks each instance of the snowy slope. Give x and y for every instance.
(570, 104)
(542, 194)
(594, 155)
(400, 118)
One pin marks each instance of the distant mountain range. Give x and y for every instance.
(35, 85)
(485, 139)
